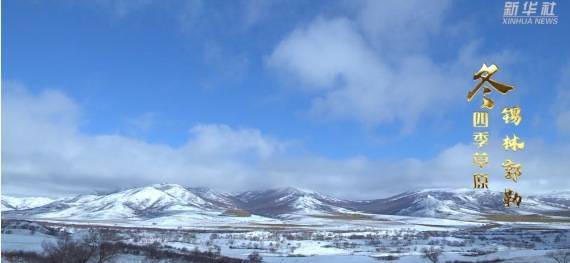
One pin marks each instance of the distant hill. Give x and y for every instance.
(168, 201)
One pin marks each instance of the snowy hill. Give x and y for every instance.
(290, 201)
(445, 203)
(136, 203)
(21, 203)
(167, 201)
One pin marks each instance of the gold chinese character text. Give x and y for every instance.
(485, 74)
(510, 196)
(512, 170)
(512, 115)
(480, 181)
(480, 119)
(480, 138)
(512, 144)
(480, 159)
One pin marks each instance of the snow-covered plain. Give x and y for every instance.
(332, 240)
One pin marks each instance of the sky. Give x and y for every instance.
(360, 99)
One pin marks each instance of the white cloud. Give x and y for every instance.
(223, 140)
(544, 170)
(401, 25)
(348, 79)
(372, 68)
(43, 146)
(325, 51)
(45, 152)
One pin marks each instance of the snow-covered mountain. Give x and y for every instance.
(436, 203)
(21, 203)
(291, 201)
(456, 202)
(557, 203)
(175, 201)
(142, 202)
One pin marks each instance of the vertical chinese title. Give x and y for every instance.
(511, 115)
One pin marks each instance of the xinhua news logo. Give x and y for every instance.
(531, 13)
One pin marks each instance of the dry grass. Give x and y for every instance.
(236, 213)
(526, 218)
(346, 216)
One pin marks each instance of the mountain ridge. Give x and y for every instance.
(163, 200)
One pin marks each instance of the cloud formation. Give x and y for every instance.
(43, 146)
(349, 79)
(401, 25)
(372, 68)
(46, 153)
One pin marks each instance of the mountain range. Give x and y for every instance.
(172, 201)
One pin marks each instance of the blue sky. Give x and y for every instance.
(379, 84)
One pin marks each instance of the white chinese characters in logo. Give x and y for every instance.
(529, 8)
(547, 9)
(511, 8)
(530, 13)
